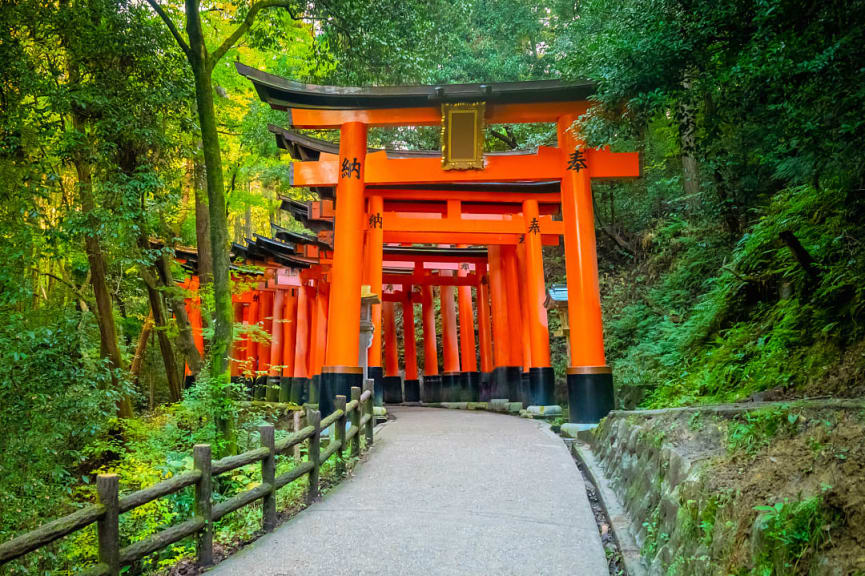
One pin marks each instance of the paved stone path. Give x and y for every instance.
(442, 492)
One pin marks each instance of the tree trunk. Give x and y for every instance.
(202, 221)
(157, 310)
(185, 340)
(687, 142)
(223, 311)
(104, 309)
(141, 348)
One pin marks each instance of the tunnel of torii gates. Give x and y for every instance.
(396, 223)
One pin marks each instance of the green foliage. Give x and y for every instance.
(754, 430)
(791, 535)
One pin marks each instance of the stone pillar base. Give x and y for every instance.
(297, 393)
(271, 393)
(259, 388)
(285, 389)
(337, 381)
(450, 387)
(432, 388)
(412, 391)
(590, 394)
(524, 395)
(470, 383)
(376, 374)
(506, 382)
(392, 389)
(543, 386)
(485, 387)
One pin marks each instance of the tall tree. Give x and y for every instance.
(202, 62)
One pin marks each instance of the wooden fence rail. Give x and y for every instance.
(106, 513)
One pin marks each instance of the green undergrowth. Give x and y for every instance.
(144, 451)
(701, 320)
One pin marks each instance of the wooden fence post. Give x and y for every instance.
(355, 421)
(201, 457)
(339, 435)
(367, 385)
(268, 476)
(108, 527)
(296, 448)
(313, 418)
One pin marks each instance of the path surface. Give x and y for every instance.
(442, 492)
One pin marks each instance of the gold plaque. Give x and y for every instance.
(463, 136)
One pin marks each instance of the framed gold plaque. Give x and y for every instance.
(463, 136)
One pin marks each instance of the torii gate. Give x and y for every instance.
(357, 176)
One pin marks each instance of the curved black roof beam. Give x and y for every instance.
(282, 93)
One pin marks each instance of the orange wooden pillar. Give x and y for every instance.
(289, 334)
(238, 350)
(265, 323)
(321, 323)
(342, 371)
(388, 327)
(504, 369)
(525, 337)
(469, 377)
(515, 322)
(512, 287)
(373, 256)
(432, 384)
(590, 381)
(485, 341)
(251, 344)
(411, 385)
(541, 376)
(276, 335)
(392, 382)
(450, 346)
(300, 379)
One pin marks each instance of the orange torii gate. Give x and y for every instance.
(363, 179)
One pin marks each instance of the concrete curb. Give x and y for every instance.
(622, 526)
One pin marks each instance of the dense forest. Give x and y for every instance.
(734, 268)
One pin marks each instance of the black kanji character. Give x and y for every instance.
(375, 220)
(534, 226)
(577, 161)
(347, 168)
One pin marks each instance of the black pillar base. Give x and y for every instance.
(297, 390)
(485, 388)
(470, 386)
(271, 393)
(506, 383)
(432, 388)
(376, 374)
(451, 387)
(525, 391)
(285, 389)
(259, 388)
(543, 386)
(335, 384)
(312, 390)
(412, 390)
(590, 395)
(392, 386)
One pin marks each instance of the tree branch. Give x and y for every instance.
(171, 27)
(246, 25)
(508, 137)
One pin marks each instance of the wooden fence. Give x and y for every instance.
(106, 513)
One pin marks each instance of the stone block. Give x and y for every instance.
(551, 411)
